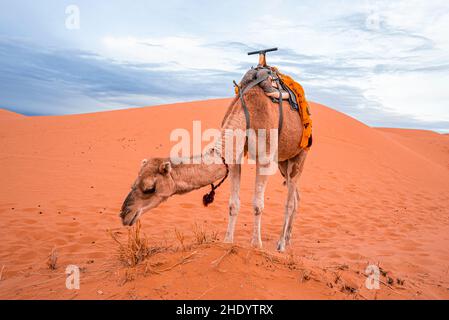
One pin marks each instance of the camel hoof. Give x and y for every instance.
(281, 246)
(228, 240)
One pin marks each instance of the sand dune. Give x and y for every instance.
(369, 196)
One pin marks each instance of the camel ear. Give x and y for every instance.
(144, 162)
(165, 168)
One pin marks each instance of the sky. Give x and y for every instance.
(385, 63)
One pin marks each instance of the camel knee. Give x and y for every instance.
(292, 203)
(234, 207)
(258, 205)
(289, 208)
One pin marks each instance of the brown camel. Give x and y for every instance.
(161, 178)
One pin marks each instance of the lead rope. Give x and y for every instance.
(208, 198)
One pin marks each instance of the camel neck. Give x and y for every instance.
(189, 177)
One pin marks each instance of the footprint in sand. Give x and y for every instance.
(29, 221)
(59, 242)
(187, 205)
(70, 229)
(68, 224)
(32, 210)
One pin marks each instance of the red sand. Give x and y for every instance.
(369, 196)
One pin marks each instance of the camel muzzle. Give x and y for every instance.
(126, 208)
(130, 219)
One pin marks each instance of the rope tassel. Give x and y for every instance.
(208, 198)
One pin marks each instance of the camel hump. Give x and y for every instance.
(278, 87)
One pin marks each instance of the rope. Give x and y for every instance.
(210, 197)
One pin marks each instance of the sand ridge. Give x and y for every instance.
(368, 196)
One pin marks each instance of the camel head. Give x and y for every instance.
(153, 186)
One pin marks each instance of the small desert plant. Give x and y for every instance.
(199, 233)
(305, 275)
(136, 249)
(181, 238)
(347, 288)
(232, 250)
(129, 276)
(52, 259)
(214, 236)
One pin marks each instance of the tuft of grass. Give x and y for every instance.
(200, 236)
(128, 277)
(181, 238)
(136, 249)
(305, 275)
(214, 236)
(52, 259)
(346, 288)
(232, 250)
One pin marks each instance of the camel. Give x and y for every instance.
(161, 178)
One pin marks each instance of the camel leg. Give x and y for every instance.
(292, 174)
(234, 201)
(299, 164)
(292, 218)
(290, 211)
(258, 203)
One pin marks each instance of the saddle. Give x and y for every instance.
(279, 87)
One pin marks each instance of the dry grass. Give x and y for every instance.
(232, 250)
(200, 236)
(349, 289)
(153, 268)
(305, 275)
(136, 249)
(52, 259)
(214, 236)
(128, 277)
(181, 238)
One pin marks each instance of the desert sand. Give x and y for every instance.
(368, 196)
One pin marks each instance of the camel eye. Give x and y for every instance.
(149, 190)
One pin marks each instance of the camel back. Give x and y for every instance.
(271, 80)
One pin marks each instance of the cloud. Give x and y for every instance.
(53, 81)
(383, 62)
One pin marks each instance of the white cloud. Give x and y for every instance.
(173, 53)
(422, 96)
(379, 56)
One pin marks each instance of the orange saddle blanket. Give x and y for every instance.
(304, 108)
